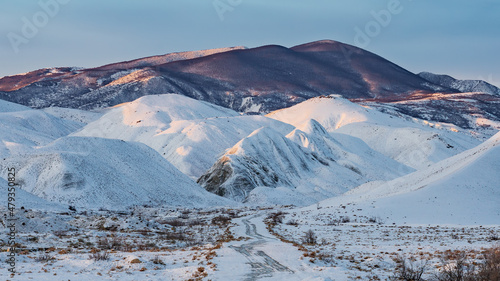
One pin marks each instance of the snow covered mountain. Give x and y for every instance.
(268, 167)
(258, 79)
(462, 189)
(190, 134)
(95, 172)
(261, 80)
(415, 143)
(463, 86)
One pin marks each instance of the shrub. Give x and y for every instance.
(408, 270)
(99, 256)
(157, 260)
(292, 222)
(459, 268)
(345, 219)
(221, 220)
(456, 269)
(494, 237)
(375, 219)
(309, 237)
(334, 222)
(489, 269)
(276, 217)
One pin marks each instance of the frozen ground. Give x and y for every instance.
(228, 244)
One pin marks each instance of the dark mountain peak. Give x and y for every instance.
(325, 46)
(260, 79)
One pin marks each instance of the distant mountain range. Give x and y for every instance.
(260, 80)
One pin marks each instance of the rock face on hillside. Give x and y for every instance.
(311, 165)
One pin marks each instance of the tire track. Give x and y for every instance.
(262, 264)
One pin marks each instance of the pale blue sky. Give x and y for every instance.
(456, 37)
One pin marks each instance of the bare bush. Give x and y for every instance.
(494, 237)
(292, 222)
(221, 220)
(276, 217)
(459, 268)
(334, 222)
(99, 256)
(345, 219)
(456, 268)
(158, 260)
(489, 269)
(309, 237)
(409, 270)
(375, 219)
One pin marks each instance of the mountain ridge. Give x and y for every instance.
(255, 80)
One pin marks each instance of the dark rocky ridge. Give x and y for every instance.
(272, 76)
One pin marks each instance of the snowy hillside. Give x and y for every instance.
(415, 143)
(460, 190)
(22, 128)
(188, 133)
(94, 172)
(27, 200)
(80, 116)
(347, 151)
(463, 86)
(6, 106)
(303, 167)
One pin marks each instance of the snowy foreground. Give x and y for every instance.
(171, 188)
(231, 244)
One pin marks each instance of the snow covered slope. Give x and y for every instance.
(22, 128)
(463, 86)
(415, 143)
(261, 167)
(28, 200)
(81, 116)
(347, 151)
(190, 134)
(94, 172)
(6, 106)
(463, 189)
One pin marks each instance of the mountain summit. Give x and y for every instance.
(257, 80)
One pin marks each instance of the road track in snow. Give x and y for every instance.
(261, 263)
